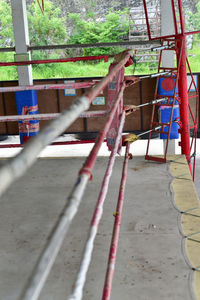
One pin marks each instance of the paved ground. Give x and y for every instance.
(150, 264)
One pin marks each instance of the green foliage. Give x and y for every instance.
(6, 29)
(194, 57)
(93, 30)
(6, 40)
(48, 28)
(194, 20)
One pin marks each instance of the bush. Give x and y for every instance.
(92, 30)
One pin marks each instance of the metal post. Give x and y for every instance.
(27, 100)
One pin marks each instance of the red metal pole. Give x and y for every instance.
(50, 61)
(183, 92)
(174, 16)
(147, 19)
(116, 230)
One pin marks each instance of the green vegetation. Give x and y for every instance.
(48, 29)
(112, 29)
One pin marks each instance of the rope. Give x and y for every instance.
(51, 61)
(18, 165)
(57, 86)
(86, 258)
(16, 118)
(116, 229)
(48, 256)
(89, 164)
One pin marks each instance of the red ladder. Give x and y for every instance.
(156, 126)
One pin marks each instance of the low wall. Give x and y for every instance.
(54, 101)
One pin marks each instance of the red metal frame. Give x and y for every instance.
(185, 108)
(175, 22)
(51, 61)
(174, 72)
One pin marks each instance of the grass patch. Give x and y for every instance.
(194, 57)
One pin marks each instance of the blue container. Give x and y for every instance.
(26, 102)
(166, 87)
(164, 117)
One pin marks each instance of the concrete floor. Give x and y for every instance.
(150, 264)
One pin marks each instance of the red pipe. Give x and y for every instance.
(147, 19)
(183, 93)
(60, 86)
(174, 16)
(89, 164)
(192, 32)
(50, 61)
(116, 231)
(182, 20)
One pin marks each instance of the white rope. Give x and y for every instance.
(87, 255)
(18, 165)
(48, 256)
(17, 118)
(49, 253)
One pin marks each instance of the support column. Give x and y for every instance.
(167, 28)
(20, 27)
(26, 101)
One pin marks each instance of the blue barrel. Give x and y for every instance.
(164, 117)
(26, 102)
(166, 87)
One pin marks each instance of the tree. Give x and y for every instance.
(46, 29)
(6, 29)
(91, 30)
(194, 20)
